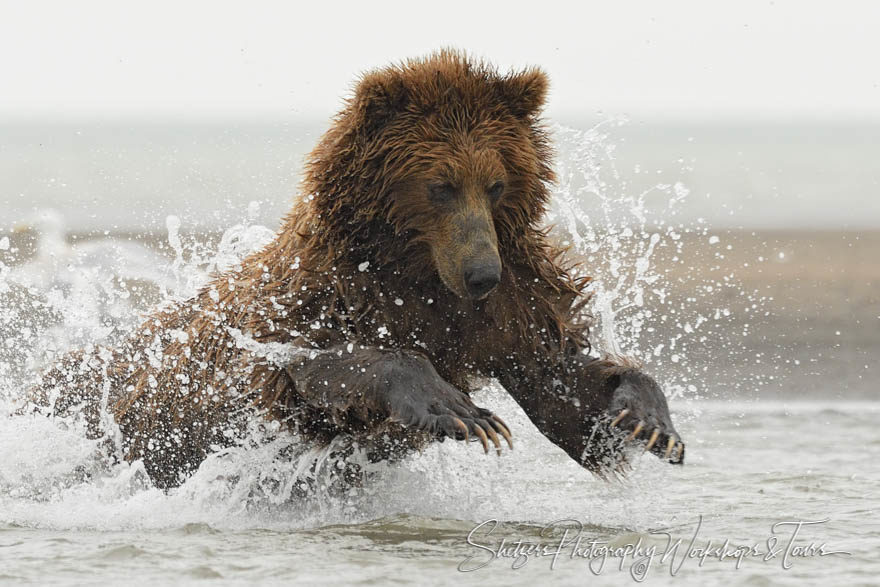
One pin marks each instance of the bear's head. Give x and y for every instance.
(439, 163)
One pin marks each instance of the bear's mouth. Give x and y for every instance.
(457, 289)
(462, 292)
(451, 279)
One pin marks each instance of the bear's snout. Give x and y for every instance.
(481, 277)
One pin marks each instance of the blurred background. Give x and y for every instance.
(746, 135)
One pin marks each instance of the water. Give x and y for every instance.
(722, 317)
(751, 465)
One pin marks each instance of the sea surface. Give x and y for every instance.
(741, 265)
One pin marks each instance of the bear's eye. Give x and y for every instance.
(441, 192)
(496, 189)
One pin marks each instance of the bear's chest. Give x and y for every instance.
(457, 335)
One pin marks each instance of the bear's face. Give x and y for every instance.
(454, 159)
(451, 208)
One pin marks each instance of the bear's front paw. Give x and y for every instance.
(639, 411)
(415, 396)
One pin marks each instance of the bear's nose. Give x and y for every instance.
(481, 278)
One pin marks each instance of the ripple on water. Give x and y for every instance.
(122, 552)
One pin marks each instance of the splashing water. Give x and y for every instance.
(613, 231)
(628, 238)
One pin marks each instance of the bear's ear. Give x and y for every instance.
(524, 93)
(378, 97)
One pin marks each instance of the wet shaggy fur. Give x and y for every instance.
(362, 275)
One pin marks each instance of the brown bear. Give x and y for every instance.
(413, 265)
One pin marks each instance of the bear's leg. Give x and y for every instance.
(362, 388)
(592, 408)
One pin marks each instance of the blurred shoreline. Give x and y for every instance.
(803, 308)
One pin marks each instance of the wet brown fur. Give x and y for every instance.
(183, 385)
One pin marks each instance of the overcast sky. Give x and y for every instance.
(778, 60)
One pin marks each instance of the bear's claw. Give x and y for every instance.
(673, 450)
(501, 427)
(461, 426)
(640, 405)
(653, 439)
(483, 439)
(669, 446)
(485, 429)
(635, 433)
(619, 417)
(490, 431)
(483, 426)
